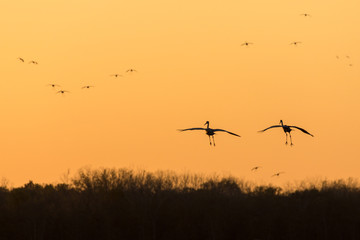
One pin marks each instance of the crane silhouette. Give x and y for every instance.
(255, 168)
(116, 75)
(295, 43)
(131, 70)
(287, 130)
(305, 15)
(62, 92)
(246, 43)
(277, 174)
(34, 62)
(209, 131)
(21, 59)
(53, 85)
(87, 86)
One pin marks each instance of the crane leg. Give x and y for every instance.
(286, 139)
(290, 140)
(210, 140)
(213, 140)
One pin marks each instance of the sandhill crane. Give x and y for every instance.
(21, 59)
(295, 43)
(87, 86)
(34, 62)
(305, 15)
(53, 85)
(246, 43)
(255, 168)
(131, 70)
(62, 91)
(116, 75)
(287, 129)
(277, 174)
(209, 131)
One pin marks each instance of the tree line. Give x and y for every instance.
(129, 204)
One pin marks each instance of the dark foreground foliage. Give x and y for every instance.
(127, 204)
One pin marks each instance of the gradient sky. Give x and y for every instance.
(191, 69)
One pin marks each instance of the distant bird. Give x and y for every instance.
(295, 43)
(287, 129)
(337, 57)
(255, 168)
(350, 65)
(34, 62)
(131, 70)
(347, 56)
(87, 86)
(53, 85)
(277, 174)
(209, 131)
(246, 44)
(116, 75)
(62, 91)
(21, 59)
(305, 15)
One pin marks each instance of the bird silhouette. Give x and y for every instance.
(53, 85)
(277, 174)
(34, 62)
(131, 70)
(209, 131)
(305, 15)
(287, 130)
(246, 44)
(116, 75)
(62, 92)
(255, 168)
(295, 43)
(21, 59)
(87, 86)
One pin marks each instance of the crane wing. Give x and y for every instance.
(222, 130)
(187, 129)
(303, 130)
(270, 127)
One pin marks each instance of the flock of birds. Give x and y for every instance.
(254, 169)
(61, 91)
(210, 132)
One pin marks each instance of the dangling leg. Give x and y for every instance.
(286, 138)
(291, 144)
(213, 140)
(209, 139)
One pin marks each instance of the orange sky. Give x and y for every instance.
(191, 68)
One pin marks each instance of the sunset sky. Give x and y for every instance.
(191, 69)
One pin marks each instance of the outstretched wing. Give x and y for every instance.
(270, 127)
(181, 130)
(222, 130)
(303, 130)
